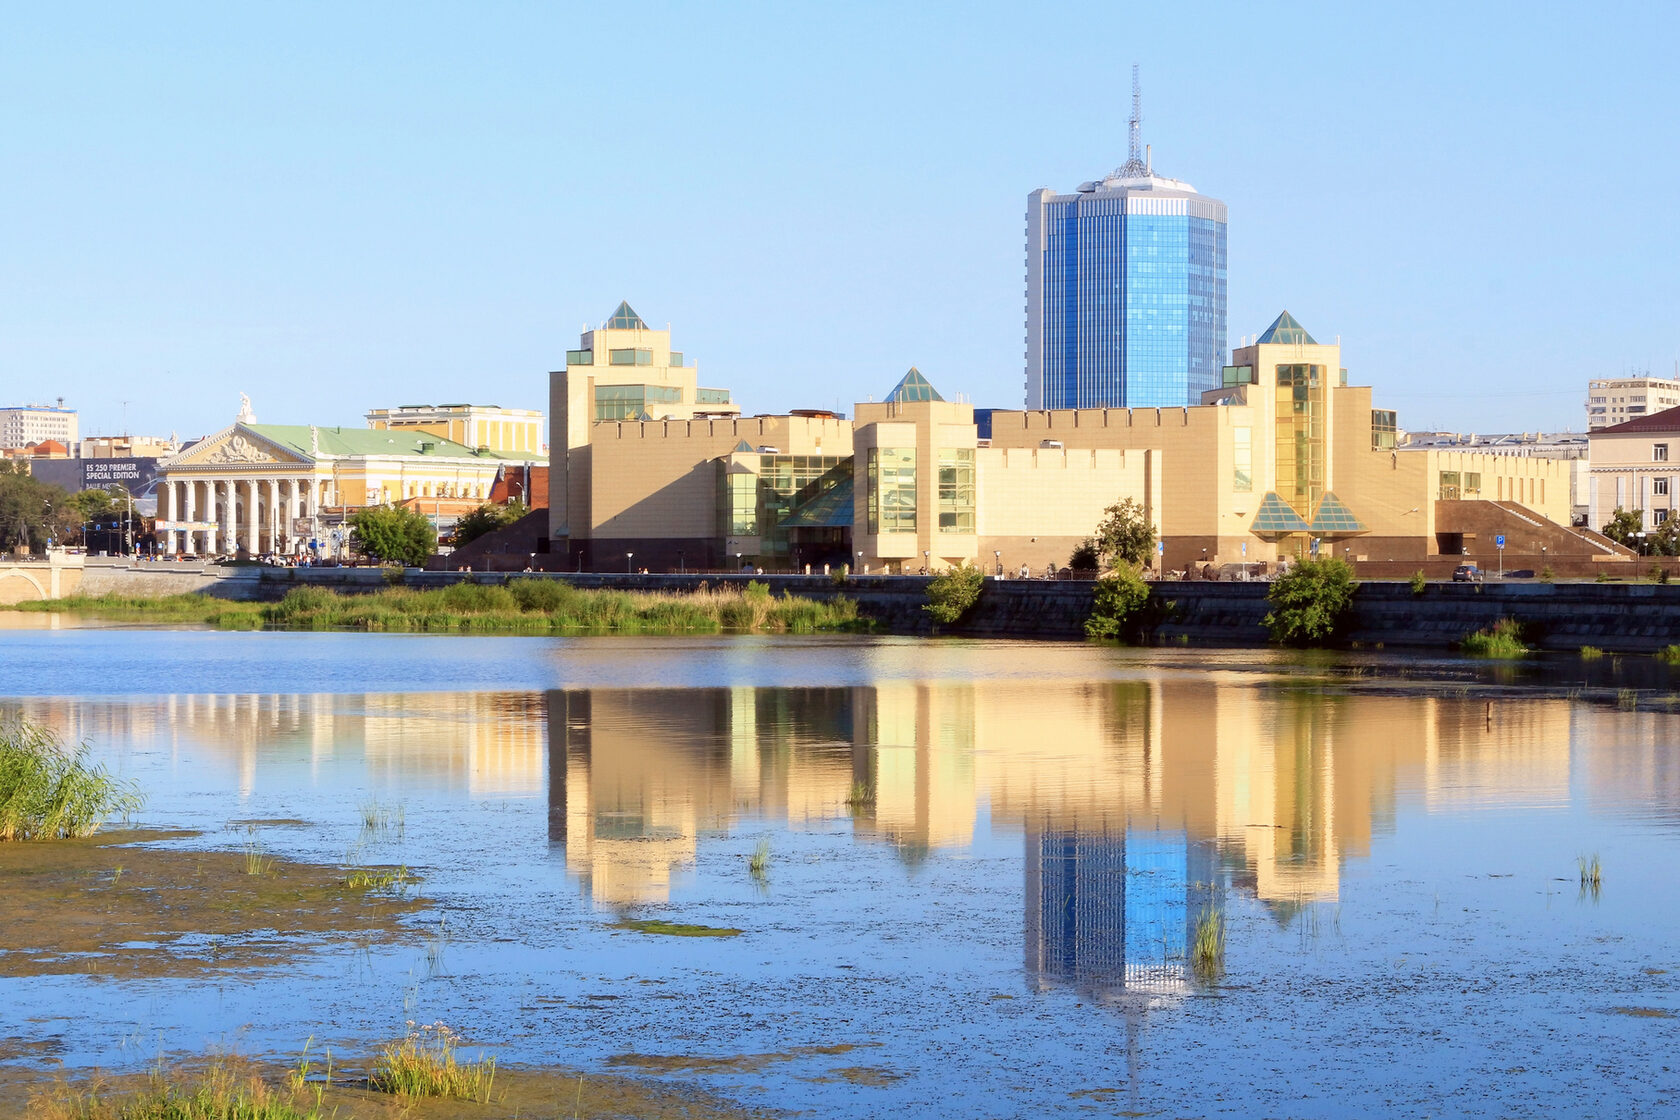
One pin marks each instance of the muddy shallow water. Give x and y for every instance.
(984, 867)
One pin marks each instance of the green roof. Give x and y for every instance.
(1276, 517)
(913, 387)
(1334, 518)
(339, 442)
(1286, 330)
(626, 319)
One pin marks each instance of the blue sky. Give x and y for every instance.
(334, 207)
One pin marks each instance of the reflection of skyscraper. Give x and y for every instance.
(1112, 912)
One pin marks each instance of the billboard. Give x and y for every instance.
(134, 475)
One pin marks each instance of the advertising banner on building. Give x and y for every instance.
(132, 474)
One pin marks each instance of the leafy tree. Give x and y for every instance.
(1125, 535)
(1310, 602)
(487, 518)
(1624, 523)
(1665, 540)
(952, 592)
(93, 504)
(1085, 556)
(394, 535)
(1115, 599)
(29, 508)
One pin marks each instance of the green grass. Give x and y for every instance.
(256, 862)
(1207, 947)
(377, 878)
(1503, 640)
(424, 1064)
(1591, 653)
(524, 606)
(758, 864)
(49, 792)
(675, 929)
(219, 1093)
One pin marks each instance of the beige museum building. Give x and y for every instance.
(1284, 460)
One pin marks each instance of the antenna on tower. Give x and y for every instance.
(1136, 166)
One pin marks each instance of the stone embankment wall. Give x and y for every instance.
(1564, 616)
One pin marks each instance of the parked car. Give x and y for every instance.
(1467, 573)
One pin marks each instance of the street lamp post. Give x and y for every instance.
(924, 561)
(860, 561)
(997, 558)
(628, 556)
(682, 566)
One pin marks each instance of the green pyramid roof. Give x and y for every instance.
(1286, 330)
(1276, 517)
(1334, 518)
(626, 319)
(913, 387)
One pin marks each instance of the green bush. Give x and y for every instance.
(1547, 575)
(544, 596)
(953, 592)
(1311, 601)
(1115, 599)
(1086, 556)
(50, 793)
(757, 591)
(1420, 583)
(478, 598)
(1503, 639)
(1669, 655)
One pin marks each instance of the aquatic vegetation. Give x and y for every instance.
(528, 605)
(1627, 699)
(221, 1092)
(1591, 653)
(1502, 640)
(1207, 946)
(758, 864)
(377, 818)
(377, 878)
(862, 795)
(1591, 871)
(1669, 655)
(675, 929)
(256, 862)
(424, 1064)
(50, 792)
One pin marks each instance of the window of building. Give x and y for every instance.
(1659, 486)
(738, 498)
(634, 356)
(1472, 484)
(1662, 515)
(1659, 453)
(1385, 428)
(1242, 460)
(580, 357)
(956, 490)
(1450, 488)
(892, 490)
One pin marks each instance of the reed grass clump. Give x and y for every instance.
(221, 1092)
(1502, 640)
(862, 795)
(758, 864)
(425, 1064)
(1207, 947)
(1591, 653)
(1669, 655)
(1592, 873)
(51, 792)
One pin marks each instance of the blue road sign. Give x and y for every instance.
(1161, 547)
(1499, 541)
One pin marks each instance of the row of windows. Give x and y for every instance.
(1454, 485)
(956, 490)
(892, 490)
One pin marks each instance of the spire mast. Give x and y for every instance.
(1134, 145)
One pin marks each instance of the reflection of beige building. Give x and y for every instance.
(1284, 787)
(1284, 454)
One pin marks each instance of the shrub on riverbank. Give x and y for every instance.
(531, 605)
(1115, 599)
(953, 592)
(1311, 601)
(49, 792)
(1501, 640)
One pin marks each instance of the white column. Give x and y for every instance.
(272, 485)
(192, 515)
(250, 523)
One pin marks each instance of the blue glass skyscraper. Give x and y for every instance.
(1125, 290)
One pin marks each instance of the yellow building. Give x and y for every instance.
(268, 489)
(506, 431)
(1285, 459)
(1635, 466)
(635, 375)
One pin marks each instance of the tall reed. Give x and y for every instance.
(50, 792)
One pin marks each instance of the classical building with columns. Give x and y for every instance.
(262, 489)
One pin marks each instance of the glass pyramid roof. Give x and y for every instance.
(742, 446)
(1286, 330)
(913, 387)
(1334, 518)
(832, 509)
(626, 319)
(1277, 518)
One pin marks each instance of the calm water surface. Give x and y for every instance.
(1001, 929)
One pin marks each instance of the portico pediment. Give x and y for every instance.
(238, 446)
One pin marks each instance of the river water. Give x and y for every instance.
(987, 863)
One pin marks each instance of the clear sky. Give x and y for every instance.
(334, 207)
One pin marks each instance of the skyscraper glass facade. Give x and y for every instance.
(1126, 303)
